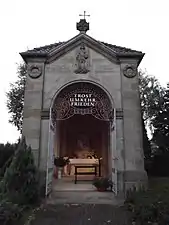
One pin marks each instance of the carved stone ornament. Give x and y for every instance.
(130, 71)
(35, 71)
(82, 26)
(82, 60)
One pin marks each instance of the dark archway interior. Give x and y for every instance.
(82, 113)
(83, 136)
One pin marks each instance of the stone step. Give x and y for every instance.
(83, 197)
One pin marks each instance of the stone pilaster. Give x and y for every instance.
(133, 147)
(120, 161)
(33, 106)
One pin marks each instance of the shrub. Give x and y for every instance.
(149, 206)
(102, 183)
(10, 213)
(6, 151)
(5, 166)
(20, 182)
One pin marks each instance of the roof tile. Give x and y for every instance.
(49, 48)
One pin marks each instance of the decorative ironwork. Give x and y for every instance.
(101, 108)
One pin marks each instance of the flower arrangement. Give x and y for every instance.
(102, 184)
(61, 161)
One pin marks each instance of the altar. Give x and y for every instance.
(70, 168)
(79, 167)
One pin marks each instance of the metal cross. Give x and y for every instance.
(84, 15)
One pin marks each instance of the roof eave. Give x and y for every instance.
(138, 56)
(27, 56)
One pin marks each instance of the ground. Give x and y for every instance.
(81, 214)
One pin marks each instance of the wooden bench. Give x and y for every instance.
(85, 173)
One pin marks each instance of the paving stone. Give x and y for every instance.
(82, 214)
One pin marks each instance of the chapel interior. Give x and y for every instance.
(83, 137)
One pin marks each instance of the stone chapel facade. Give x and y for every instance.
(84, 76)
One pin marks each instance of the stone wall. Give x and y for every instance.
(102, 72)
(123, 91)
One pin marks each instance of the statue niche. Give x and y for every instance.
(84, 150)
(82, 60)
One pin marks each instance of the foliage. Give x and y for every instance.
(20, 182)
(15, 98)
(6, 151)
(149, 206)
(5, 166)
(61, 161)
(102, 183)
(146, 143)
(10, 213)
(151, 96)
(160, 164)
(160, 140)
(161, 124)
(6, 154)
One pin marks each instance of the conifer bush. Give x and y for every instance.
(20, 182)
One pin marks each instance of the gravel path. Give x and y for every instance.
(85, 214)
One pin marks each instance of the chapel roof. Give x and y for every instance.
(83, 26)
(49, 48)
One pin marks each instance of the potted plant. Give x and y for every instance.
(60, 162)
(102, 184)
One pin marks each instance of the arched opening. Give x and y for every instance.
(81, 116)
(84, 137)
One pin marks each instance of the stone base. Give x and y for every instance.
(135, 178)
(129, 179)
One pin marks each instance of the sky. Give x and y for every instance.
(138, 24)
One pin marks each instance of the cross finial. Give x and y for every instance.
(84, 15)
(83, 26)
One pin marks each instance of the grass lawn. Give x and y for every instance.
(158, 182)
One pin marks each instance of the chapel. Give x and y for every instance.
(82, 103)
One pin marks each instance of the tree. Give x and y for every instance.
(160, 140)
(151, 96)
(161, 124)
(15, 98)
